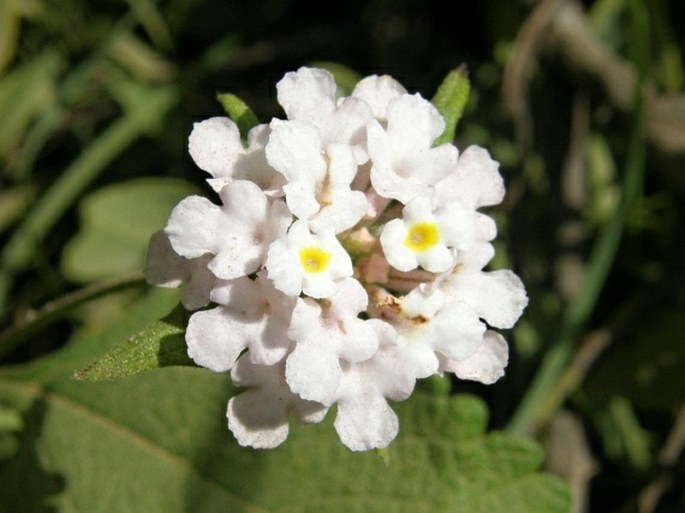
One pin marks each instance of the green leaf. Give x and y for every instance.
(239, 112)
(159, 345)
(116, 224)
(450, 100)
(166, 451)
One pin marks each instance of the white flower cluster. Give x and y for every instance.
(344, 262)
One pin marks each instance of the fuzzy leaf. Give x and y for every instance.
(450, 100)
(239, 112)
(159, 345)
(157, 442)
(116, 224)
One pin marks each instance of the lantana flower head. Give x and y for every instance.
(344, 260)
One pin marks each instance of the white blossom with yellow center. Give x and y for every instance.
(429, 238)
(313, 263)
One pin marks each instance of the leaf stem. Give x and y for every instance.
(13, 336)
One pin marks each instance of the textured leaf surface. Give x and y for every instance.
(450, 100)
(157, 442)
(116, 224)
(159, 345)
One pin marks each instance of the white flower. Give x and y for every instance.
(307, 262)
(252, 315)
(498, 297)
(259, 417)
(365, 420)
(237, 234)
(326, 337)
(405, 164)
(215, 146)
(429, 237)
(432, 327)
(318, 176)
(165, 268)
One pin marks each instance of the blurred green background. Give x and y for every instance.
(581, 103)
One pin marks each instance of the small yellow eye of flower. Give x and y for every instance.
(422, 236)
(314, 260)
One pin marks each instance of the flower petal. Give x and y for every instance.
(487, 364)
(193, 227)
(307, 94)
(215, 339)
(378, 92)
(475, 180)
(214, 144)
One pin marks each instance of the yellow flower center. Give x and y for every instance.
(313, 259)
(422, 236)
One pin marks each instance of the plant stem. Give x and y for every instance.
(544, 395)
(13, 336)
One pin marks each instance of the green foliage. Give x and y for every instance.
(116, 224)
(450, 100)
(239, 112)
(159, 345)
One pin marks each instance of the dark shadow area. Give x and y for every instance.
(24, 485)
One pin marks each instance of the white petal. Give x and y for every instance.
(499, 297)
(195, 227)
(308, 94)
(436, 259)
(294, 149)
(282, 264)
(215, 339)
(350, 299)
(416, 119)
(485, 365)
(313, 373)
(475, 180)
(423, 301)
(261, 315)
(214, 145)
(420, 355)
(437, 163)
(396, 252)
(347, 125)
(258, 419)
(458, 225)
(366, 423)
(456, 331)
(378, 92)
